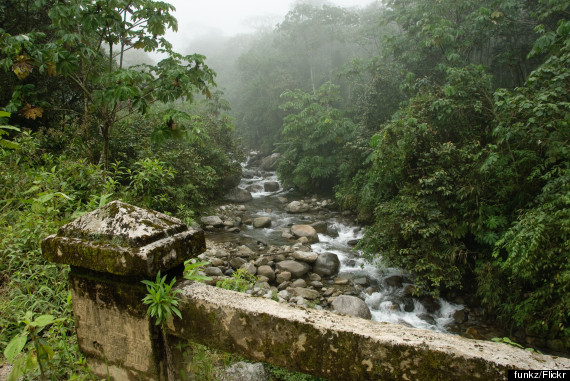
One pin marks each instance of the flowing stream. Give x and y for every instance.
(386, 291)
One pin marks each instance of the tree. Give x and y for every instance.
(88, 45)
(313, 136)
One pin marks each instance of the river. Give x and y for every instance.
(385, 290)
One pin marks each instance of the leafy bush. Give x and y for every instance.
(432, 198)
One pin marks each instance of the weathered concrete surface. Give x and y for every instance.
(110, 250)
(123, 239)
(113, 330)
(340, 347)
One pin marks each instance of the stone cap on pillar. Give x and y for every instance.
(123, 239)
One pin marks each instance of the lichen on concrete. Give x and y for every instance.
(123, 239)
(340, 347)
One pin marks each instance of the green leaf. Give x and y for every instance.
(15, 346)
(43, 320)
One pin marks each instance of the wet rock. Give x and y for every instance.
(332, 232)
(305, 256)
(430, 304)
(326, 265)
(297, 269)
(320, 226)
(271, 186)
(270, 163)
(460, 316)
(410, 290)
(305, 231)
(297, 207)
(394, 280)
(427, 318)
(214, 221)
(351, 305)
(261, 222)
(350, 262)
(353, 242)
(238, 195)
(254, 188)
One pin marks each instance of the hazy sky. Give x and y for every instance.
(231, 17)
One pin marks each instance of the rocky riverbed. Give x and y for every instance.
(299, 270)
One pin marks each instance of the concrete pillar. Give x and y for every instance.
(110, 251)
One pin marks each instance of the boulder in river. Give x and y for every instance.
(261, 222)
(320, 226)
(270, 163)
(297, 207)
(326, 265)
(297, 269)
(271, 186)
(214, 221)
(305, 256)
(254, 188)
(305, 231)
(237, 195)
(351, 305)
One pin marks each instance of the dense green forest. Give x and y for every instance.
(442, 124)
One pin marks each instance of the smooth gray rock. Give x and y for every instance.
(351, 305)
(271, 186)
(320, 227)
(283, 276)
(215, 221)
(305, 293)
(261, 222)
(297, 207)
(305, 256)
(326, 265)
(213, 271)
(305, 231)
(237, 262)
(270, 163)
(297, 269)
(266, 271)
(238, 195)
